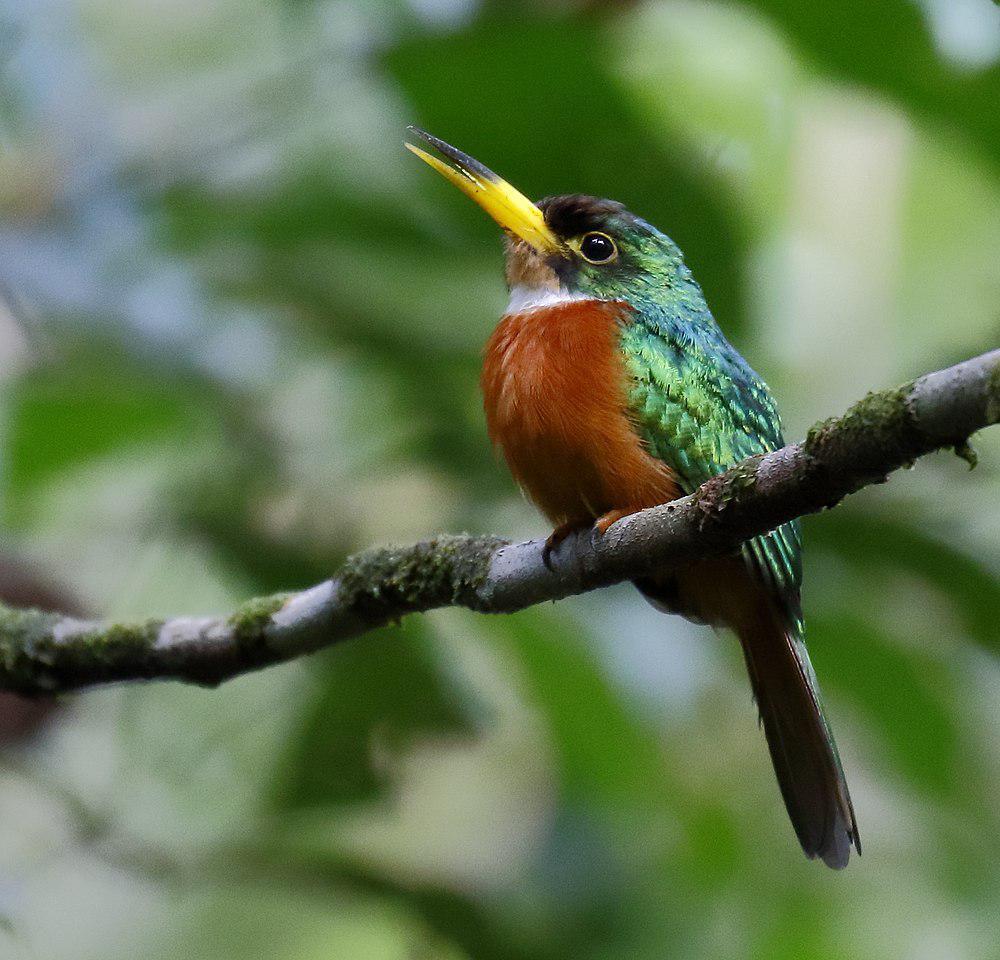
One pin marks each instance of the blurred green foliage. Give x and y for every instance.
(239, 338)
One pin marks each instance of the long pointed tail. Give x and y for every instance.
(734, 593)
(802, 747)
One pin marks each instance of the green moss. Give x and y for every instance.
(250, 618)
(38, 649)
(879, 417)
(120, 641)
(715, 496)
(444, 570)
(22, 634)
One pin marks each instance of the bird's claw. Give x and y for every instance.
(554, 540)
(564, 530)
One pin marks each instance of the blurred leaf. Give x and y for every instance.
(367, 284)
(225, 507)
(272, 920)
(607, 756)
(887, 46)
(374, 700)
(460, 918)
(906, 696)
(90, 403)
(94, 398)
(879, 543)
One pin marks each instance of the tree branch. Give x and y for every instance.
(45, 653)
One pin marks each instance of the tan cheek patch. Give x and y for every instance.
(527, 268)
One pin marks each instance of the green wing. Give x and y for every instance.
(700, 408)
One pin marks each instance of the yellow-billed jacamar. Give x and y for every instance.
(609, 388)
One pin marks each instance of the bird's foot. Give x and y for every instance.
(602, 523)
(564, 530)
(556, 538)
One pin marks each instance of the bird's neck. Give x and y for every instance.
(525, 298)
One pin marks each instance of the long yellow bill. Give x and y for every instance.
(508, 206)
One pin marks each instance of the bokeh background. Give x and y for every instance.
(239, 338)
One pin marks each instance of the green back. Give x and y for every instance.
(700, 408)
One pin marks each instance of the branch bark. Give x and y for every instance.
(42, 653)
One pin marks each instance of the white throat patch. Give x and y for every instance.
(523, 299)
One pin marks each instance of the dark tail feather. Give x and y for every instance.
(799, 738)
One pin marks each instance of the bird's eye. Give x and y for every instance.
(598, 248)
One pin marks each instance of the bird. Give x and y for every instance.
(608, 387)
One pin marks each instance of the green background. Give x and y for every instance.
(239, 338)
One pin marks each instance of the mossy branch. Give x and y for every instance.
(45, 652)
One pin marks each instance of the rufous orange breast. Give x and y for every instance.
(554, 389)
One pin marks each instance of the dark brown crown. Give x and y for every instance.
(576, 213)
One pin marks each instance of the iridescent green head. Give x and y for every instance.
(604, 250)
(572, 245)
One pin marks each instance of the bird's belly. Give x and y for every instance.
(564, 480)
(554, 389)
